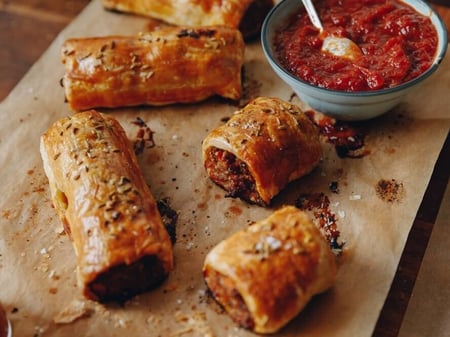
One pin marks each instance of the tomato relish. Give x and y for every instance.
(397, 42)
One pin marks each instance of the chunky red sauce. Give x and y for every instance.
(398, 44)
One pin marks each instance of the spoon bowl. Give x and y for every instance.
(338, 46)
(341, 47)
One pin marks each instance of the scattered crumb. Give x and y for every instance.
(389, 190)
(75, 310)
(196, 324)
(354, 197)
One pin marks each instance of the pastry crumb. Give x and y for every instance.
(75, 310)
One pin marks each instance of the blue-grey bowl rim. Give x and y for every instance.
(439, 57)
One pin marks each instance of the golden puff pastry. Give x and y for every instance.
(166, 66)
(264, 275)
(100, 194)
(262, 148)
(246, 15)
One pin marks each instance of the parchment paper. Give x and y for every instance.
(37, 262)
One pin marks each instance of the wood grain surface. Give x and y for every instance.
(27, 28)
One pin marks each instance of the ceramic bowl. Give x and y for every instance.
(342, 104)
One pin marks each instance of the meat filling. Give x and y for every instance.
(232, 174)
(226, 294)
(122, 282)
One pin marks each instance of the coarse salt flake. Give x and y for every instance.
(273, 242)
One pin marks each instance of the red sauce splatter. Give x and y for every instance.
(347, 139)
(144, 136)
(202, 205)
(319, 205)
(235, 210)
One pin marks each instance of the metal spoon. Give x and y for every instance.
(338, 46)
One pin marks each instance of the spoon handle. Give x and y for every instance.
(313, 16)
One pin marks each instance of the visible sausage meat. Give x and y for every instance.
(224, 290)
(122, 282)
(232, 174)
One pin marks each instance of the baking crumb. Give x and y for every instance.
(354, 197)
(120, 323)
(59, 230)
(152, 321)
(75, 310)
(341, 214)
(197, 323)
(38, 330)
(389, 190)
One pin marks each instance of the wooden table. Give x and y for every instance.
(27, 27)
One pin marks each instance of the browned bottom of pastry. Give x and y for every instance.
(122, 282)
(232, 174)
(225, 293)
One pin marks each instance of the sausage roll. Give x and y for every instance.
(262, 148)
(100, 194)
(170, 65)
(264, 275)
(246, 15)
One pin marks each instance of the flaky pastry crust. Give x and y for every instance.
(262, 148)
(166, 66)
(265, 274)
(100, 195)
(246, 15)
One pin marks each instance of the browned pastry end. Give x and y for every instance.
(264, 275)
(247, 15)
(100, 195)
(262, 148)
(166, 66)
